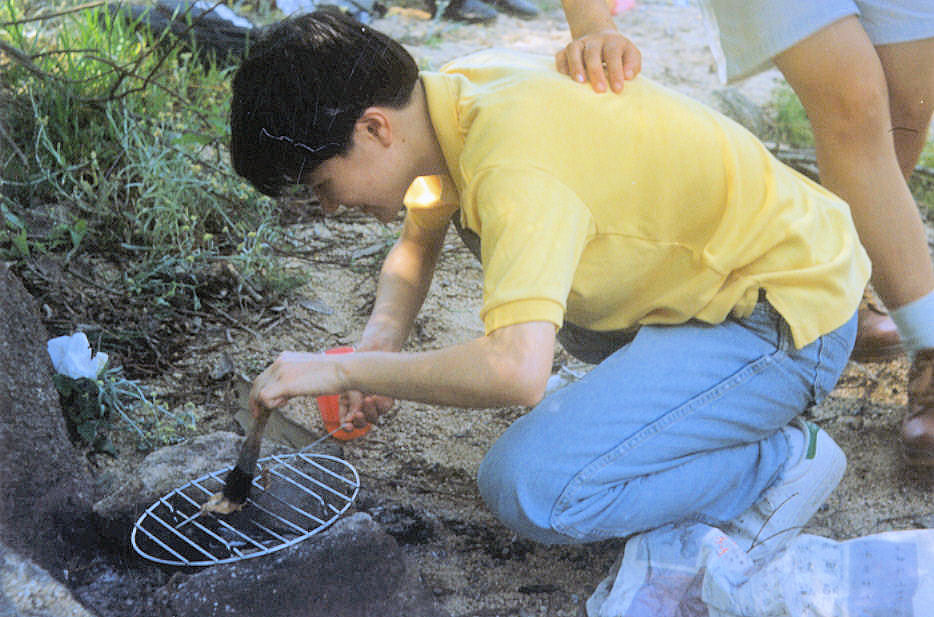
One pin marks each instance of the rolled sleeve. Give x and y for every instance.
(533, 230)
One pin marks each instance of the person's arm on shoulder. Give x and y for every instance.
(509, 366)
(597, 49)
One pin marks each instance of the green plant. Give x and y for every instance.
(87, 420)
(927, 155)
(792, 126)
(130, 133)
(922, 184)
(91, 405)
(118, 154)
(15, 233)
(152, 422)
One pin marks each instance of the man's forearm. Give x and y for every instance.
(508, 367)
(403, 284)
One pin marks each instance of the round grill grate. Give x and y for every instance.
(293, 497)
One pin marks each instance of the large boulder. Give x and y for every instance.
(46, 489)
(26, 590)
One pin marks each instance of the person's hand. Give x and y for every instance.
(360, 409)
(595, 56)
(294, 374)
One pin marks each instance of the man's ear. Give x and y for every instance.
(375, 124)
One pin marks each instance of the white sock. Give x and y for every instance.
(915, 323)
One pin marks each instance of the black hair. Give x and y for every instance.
(301, 89)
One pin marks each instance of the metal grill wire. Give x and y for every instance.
(294, 496)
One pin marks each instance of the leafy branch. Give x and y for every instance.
(167, 41)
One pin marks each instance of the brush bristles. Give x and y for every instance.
(237, 485)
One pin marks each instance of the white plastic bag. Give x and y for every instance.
(698, 571)
(71, 356)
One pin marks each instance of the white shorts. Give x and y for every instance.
(747, 34)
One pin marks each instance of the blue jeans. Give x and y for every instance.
(680, 424)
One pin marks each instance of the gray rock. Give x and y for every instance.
(167, 468)
(161, 472)
(46, 505)
(738, 107)
(26, 590)
(355, 569)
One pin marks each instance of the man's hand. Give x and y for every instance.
(360, 409)
(294, 373)
(598, 55)
(310, 374)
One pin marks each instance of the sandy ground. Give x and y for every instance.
(418, 469)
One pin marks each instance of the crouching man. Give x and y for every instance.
(714, 288)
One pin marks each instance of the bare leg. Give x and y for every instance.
(909, 72)
(839, 78)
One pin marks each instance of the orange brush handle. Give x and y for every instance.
(329, 406)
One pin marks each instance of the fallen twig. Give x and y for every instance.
(235, 322)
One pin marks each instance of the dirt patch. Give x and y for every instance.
(418, 469)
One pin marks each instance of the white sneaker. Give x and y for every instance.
(803, 487)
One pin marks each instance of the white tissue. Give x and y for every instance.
(71, 356)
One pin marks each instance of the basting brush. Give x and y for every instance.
(239, 480)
